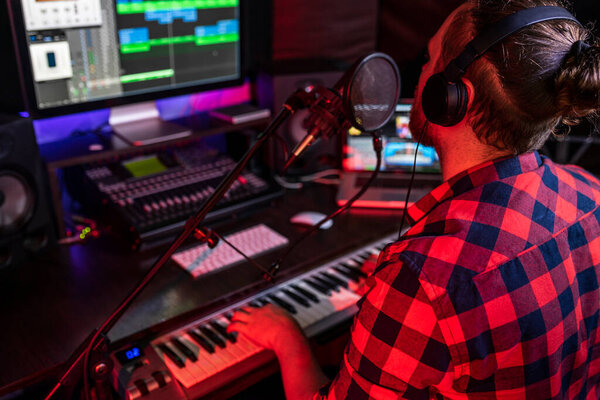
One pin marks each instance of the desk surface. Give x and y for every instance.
(50, 304)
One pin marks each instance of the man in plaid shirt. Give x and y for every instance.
(493, 292)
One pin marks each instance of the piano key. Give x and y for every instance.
(222, 331)
(325, 290)
(172, 356)
(216, 339)
(201, 340)
(283, 304)
(183, 349)
(354, 269)
(336, 279)
(306, 293)
(363, 256)
(255, 304)
(326, 282)
(347, 273)
(297, 298)
(198, 369)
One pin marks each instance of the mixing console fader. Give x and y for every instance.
(150, 196)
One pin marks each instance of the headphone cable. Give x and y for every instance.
(412, 179)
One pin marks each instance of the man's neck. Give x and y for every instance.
(461, 150)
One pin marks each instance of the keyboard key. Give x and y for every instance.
(319, 287)
(184, 349)
(172, 356)
(347, 273)
(222, 331)
(326, 282)
(205, 344)
(306, 293)
(282, 303)
(296, 298)
(216, 339)
(335, 279)
(354, 269)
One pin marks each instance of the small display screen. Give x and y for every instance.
(129, 354)
(144, 166)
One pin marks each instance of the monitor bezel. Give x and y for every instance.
(25, 71)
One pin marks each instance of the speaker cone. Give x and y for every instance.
(16, 202)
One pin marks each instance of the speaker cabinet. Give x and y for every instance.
(273, 91)
(26, 223)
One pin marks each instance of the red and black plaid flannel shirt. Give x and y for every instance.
(493, 292)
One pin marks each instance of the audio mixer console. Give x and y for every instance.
(150, 196)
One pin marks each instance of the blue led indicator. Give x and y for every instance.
(133, 353)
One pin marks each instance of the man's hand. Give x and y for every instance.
(269, 326)
(368, 267)
(273, 328)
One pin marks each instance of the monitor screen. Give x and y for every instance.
(398, 147)
(85, 54)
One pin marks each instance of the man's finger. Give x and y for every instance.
(236, 326)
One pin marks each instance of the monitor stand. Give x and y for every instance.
(140, 124)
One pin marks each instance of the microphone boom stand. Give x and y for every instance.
(95, 346)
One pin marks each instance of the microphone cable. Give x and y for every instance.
(412, 179)
(377, 147)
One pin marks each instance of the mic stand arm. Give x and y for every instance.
(300, 99)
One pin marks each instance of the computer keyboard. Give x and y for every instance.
(253, 241)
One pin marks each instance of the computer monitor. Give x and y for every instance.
(78, 55)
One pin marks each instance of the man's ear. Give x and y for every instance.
(470, 91)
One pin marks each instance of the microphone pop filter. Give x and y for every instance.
(371, 92)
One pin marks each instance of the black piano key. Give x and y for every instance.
(283, 304)
(171, 354)
(222, 331)
(306, 293)
(326, 282)
(363, 256)
(255, 304)
(357, 270)
(336, 279)
(321, 288)
(357, 260)
(209, 333)
(297, 298)
(184, 349)
(205, 344)
(229, 315)
(263, 301)
(347, 273)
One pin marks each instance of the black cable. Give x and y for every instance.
(412, 179)
(250, 260)
(377, 147)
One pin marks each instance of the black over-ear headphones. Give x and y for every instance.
(444, 97)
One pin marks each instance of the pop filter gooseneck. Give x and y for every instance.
(369, 92)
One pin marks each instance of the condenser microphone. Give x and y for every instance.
(365, 97)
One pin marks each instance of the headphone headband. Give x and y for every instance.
(500, 30)
(445, 96)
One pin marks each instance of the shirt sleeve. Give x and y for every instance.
(396, 349)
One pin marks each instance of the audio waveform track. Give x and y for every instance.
(177, 42)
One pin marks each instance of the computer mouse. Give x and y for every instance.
(310, 218)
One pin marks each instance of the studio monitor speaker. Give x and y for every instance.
(26, 223)
(273, 90)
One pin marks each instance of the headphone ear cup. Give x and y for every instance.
(444, 103)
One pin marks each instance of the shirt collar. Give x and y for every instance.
(481, 174)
